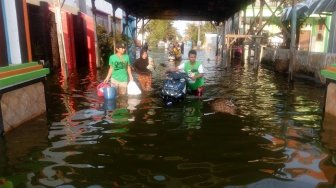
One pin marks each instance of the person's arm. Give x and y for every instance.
(200, 75)
(109, 74)
(180, 67)
(110, 71)
(200, 72)
(151, 62)
(176, 69)
(130, 72)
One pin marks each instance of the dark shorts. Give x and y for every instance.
(197, 92)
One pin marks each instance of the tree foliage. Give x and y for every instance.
(105, 42)
(288, 3)
(285, 26)
(160, 30)
(205, 27)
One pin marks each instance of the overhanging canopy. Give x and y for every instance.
(201, 10)
(308, 7)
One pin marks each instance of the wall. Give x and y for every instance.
(11, 31)
(306, 62)
(332, 36)
(21, 105)
(210, 41)
(3, 52)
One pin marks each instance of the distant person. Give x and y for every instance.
(182, 48)
(195, 71)
(119, 72)
(144, 74)
(177, 52)
(145, 46)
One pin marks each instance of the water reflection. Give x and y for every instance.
(192, 112)
(109, 104)
(122, 113)
(251, 129)
(328, 138)
(20, 151)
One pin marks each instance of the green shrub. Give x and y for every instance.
(105, 43)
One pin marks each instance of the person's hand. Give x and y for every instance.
(172, 69)
(106, 80)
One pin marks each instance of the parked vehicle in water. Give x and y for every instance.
(174, 88)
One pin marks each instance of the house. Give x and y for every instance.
(29, 31)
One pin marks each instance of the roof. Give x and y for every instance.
(308, 7)
(200, 10)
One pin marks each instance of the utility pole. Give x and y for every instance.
(60, 38)
(261, 15)
(244, 20)
(114, 29)
(95, 33)
(143, 32)
(199, 35)
(292, 44)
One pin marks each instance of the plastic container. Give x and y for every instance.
(110, 92)
(109, 104)
(100, 88)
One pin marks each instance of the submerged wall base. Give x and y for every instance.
(330, 105)
(21, 105)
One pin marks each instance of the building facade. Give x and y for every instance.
(29, 31)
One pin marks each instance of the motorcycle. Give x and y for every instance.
(174, 88)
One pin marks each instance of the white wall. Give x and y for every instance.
(105, 7)
(11, 31)
(210, 40)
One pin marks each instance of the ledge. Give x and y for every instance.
(329, 72)
(17, 74)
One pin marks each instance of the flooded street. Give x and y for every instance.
(251, 128)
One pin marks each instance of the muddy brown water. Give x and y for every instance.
(250, 129)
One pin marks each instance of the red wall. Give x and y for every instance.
(90, 39)
(67, 23)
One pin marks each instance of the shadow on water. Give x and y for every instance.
(251, 128)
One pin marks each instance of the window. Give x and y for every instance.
(102, 20)
(320, 30)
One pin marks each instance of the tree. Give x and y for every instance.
(285, 26)
(192, 31)
(105, 42)
(160, 30)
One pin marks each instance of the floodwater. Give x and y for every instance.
(250, 129)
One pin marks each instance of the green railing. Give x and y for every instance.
(17, 74)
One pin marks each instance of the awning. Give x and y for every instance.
(200, 10)
(308, 7)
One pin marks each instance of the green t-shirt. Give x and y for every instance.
(188, 68)
(119, 66)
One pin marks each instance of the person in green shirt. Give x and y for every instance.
(120, 69)
(195, 71)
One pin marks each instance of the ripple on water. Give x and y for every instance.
(249, 128)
